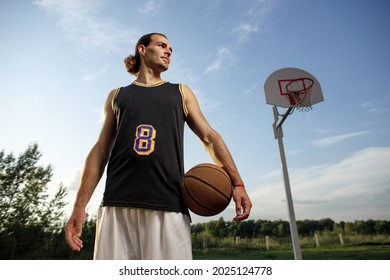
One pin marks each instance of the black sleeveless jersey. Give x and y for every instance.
(146, 163)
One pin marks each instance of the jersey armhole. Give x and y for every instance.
(114, 97)
(183, 97)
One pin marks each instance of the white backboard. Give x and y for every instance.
(278, 84)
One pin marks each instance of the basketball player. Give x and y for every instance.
(143, 215)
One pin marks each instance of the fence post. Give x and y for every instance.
(267, 241)
(341, 237)
(317, 240)
(13, 249)
(238, 240)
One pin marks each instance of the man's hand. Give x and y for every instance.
(73, 229)
(243, 204)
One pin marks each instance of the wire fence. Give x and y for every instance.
(273, 243)
(57, 249)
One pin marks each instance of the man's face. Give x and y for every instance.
(158, 53)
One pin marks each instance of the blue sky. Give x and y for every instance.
(59, 60)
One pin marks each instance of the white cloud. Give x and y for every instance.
(377, 106)
(254, 20)
(244, 30)
(250, 90)
(72, 184)
(205, 103)
(150, 8)
(73, 181)
(224, 59)
(83, 26)
(357, 187)
(325, 142)
(101, 116)
(249, 16)
(90, 75)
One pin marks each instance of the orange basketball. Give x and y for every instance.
(207, 189)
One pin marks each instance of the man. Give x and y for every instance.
(143, 215)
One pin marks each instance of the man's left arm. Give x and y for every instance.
(218, 151)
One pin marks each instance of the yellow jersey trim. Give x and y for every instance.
(114, 97)
(183, 97)
(145, 85)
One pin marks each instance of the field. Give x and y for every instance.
(362, 252)
(326, 247)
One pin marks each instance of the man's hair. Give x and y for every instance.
(133, 62)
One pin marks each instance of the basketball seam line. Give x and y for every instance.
(194, 177)
(200, 204)
(210, 167)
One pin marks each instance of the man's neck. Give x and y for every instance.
(148, 78)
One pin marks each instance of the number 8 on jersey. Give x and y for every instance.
(144, 141)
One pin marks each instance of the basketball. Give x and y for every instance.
(206, 189)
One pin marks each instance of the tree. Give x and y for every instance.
(211, 228)
(221, 228)
(247, 229)
(266, 228)
(307, 227)
(25, 208)
(382, 227)
(283, 228)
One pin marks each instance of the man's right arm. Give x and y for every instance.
(93, 170)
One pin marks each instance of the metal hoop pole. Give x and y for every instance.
(293, 225)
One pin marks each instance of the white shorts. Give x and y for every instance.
(139, 234)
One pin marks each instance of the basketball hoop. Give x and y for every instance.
(299, 91)
(290, 88)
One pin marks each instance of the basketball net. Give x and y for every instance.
(300, 91)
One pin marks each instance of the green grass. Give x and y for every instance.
(371, 252)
